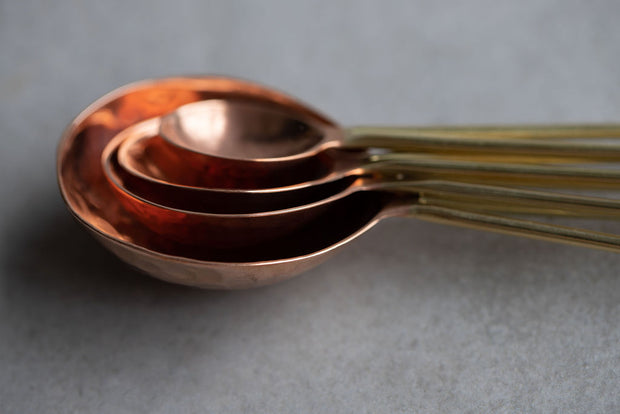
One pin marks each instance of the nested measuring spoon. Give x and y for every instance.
(99, 209)
(170, 216)
(151, 171)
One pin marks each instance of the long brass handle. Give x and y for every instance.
(560, 131)
(516, 226)
(420, 167)
(487, 198)
(486, 141)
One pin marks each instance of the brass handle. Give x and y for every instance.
(488, 208)
(474, 176)
(520, 227)
(414, 166)
(486, 140)
(486, 198)
(561, 131)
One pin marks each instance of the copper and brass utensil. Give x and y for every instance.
(111, 213)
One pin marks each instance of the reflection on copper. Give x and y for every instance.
(239, 130)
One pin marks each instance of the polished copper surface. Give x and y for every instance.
(163, 214)
(144, 153)
(242, 130)
(149, 183)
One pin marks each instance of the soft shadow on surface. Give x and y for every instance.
(78, 321)
(76, 316)
(50, 251)
(47, 253)
(63, 291)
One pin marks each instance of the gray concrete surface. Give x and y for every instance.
(413, 317)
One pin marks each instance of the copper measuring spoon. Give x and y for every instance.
(256, 132)
(219, 144)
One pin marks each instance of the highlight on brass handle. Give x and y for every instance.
(486, 198)
(484, 207)
(515, 226)
(561, 131)
(499, 171)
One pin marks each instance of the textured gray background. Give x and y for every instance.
(413, 317)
